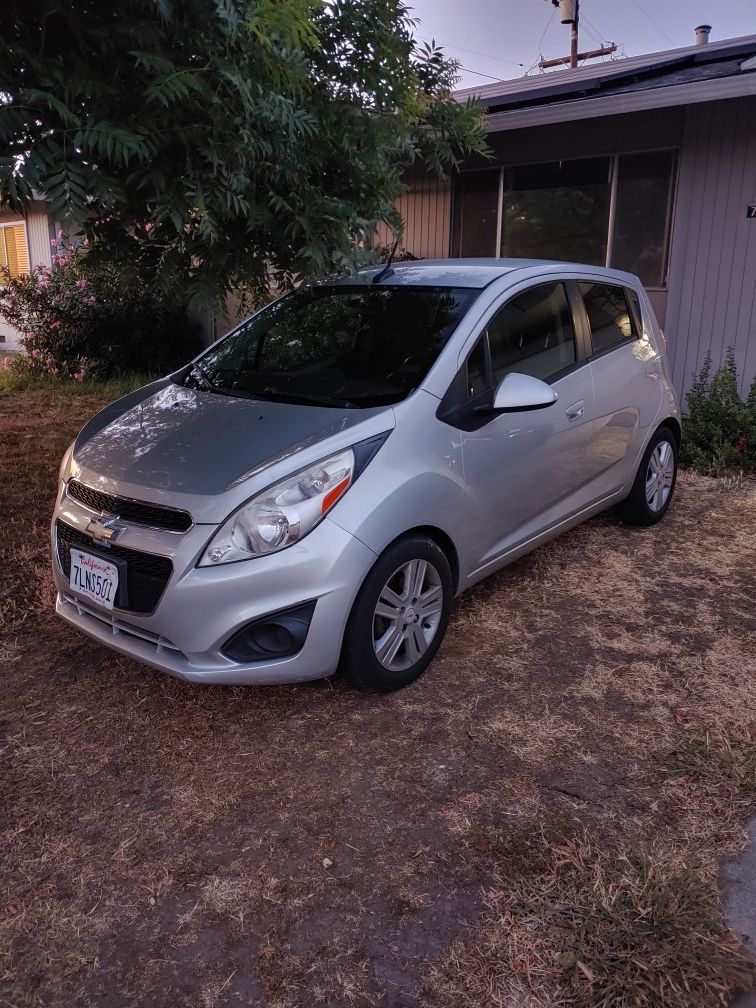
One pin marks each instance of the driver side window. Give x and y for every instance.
(533, 334)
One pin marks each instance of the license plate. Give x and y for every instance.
(94, 578)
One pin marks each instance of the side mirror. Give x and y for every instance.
(517, 392)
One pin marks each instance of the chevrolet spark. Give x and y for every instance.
(314, 489)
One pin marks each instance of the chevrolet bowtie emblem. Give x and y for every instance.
(104, 529)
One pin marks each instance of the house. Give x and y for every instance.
(646, 164)
(25, 242)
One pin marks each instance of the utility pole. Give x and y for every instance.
(569, 11)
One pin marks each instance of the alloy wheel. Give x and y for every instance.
(407, 615)
(660, 475)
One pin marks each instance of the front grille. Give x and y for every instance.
(146, 574)
(139, 512)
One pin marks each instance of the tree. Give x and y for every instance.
(219, 144)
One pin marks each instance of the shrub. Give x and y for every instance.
(719, 430)
(79, 320)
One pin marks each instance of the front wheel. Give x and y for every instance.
(400, 616)
(654, 484)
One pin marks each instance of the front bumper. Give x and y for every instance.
(202, 607)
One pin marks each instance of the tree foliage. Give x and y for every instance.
(219, 143)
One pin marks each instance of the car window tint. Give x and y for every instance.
(533, 334)
(609, 315)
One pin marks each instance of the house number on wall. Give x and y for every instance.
(751, 212)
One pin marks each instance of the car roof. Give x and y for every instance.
(474, 273)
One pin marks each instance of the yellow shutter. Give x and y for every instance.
(14, 250)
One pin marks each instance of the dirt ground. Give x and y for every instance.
(538, 822)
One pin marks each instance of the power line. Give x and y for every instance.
(654, 24)
(543, 33)
(479, 74)
(592, 29)
(473, 52)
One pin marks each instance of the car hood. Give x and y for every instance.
(190, 442)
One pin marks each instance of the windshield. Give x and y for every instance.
(339, 345)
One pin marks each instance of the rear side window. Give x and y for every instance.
(611, 320)
(533, 334)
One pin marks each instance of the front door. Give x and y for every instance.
(527, 471)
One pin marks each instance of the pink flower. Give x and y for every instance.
(81, 283)
(36, 353)
(56, 324)
(7, 361)
(79, 376)
(90, 300)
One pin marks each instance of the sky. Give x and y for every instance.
(500, 39)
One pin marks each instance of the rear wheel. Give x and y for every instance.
(400, 616)
(654, 484)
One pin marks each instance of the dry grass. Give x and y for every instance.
(559, 789)
(595, 930)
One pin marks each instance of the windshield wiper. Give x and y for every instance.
(201, 381)
(200, 378)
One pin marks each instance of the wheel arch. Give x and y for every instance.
(442, 539)
(674, 425)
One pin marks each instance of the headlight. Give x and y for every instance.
(283, 514)
(65, 462)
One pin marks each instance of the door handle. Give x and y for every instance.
(575, 411)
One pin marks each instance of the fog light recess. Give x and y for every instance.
(279, 635)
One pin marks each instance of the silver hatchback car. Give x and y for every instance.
(313, 490)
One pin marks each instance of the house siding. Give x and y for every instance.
(709, 303)
(426, 212)
(712, 292)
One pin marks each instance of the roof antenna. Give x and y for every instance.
(387, 271)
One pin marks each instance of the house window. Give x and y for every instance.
(477, 212)
(605, 211)
(14, 251)
(562, 207)
(642, 214)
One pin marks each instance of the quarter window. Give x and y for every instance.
(609, 315)
(533, 334)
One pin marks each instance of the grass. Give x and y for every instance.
(537, 823)
(596, 929)
(13, 382)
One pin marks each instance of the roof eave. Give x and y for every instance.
(693, 93)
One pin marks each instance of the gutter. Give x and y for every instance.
(695, 93)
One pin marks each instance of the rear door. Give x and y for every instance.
(627, 374)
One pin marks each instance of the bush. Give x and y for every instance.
(719, 430)
(16, 375)
(79, 320)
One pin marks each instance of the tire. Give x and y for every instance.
(381, 652)
(655, 481)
